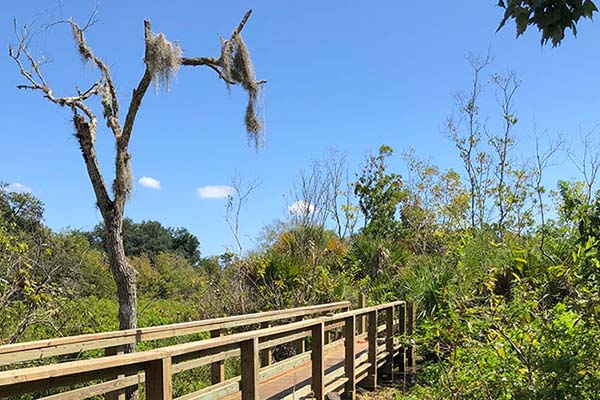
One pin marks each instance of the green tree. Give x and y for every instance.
(380, 195)
(152, 238)
(551, 17)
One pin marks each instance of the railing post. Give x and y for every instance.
(402, 330)
(370, 382)
(349, 357)
(250, 367)
(318, 361)
(117, 394)
(158, 379)
(362, 320)
(412, 322)
(300, 343)
(267, 354)
(388, 367)
(217, 368)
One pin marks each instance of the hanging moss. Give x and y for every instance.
(163, 59)
(237, 67)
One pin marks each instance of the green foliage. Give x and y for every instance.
(151, 238)
(24, 210)
(380, 195)
(551, 17)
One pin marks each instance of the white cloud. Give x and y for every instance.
(301, 208)
(150, 183)
(215, 192)
(19, 187)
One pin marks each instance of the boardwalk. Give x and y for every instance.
(296, 383)
(347, 348)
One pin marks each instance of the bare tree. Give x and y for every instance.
(311, 197)
(341, 210)
(162, 60)
(235, 202)
(466, 131)
(501, 144)
(587, 162)
(543, 159)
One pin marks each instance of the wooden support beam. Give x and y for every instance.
(362, 321)
(349, 357)
(250, 367)
(401, 361)
(411, 325)
(300, 343)
(117, 394)
(158, 379)
(318, 361)
(217, 369)
(388, 368)
(266, 355)
(370, 382)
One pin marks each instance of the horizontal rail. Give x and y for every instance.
(27, 351)
(169, 360)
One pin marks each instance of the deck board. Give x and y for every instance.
(295, 383)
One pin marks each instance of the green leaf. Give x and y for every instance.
(589, 8)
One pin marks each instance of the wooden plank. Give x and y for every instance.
(371, 381)
(267, 354)
(99, 388)
(362, 322)
(389, 343)
(117, 394)
(283, 338)
(158, 379)
(223, 354)
(402, 324)
(411, 358)
(300, 344)
(349, 357)
(250, 366)
(220, 391)
(318, 361)
(217, 368)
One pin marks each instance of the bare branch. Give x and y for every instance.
(110, 100)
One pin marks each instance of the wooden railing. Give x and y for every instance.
(155, 368)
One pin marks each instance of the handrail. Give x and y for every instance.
(66, 368)
(158, 363)
(27, 351)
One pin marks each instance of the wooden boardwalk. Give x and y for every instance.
(347, 348)
(296, 382)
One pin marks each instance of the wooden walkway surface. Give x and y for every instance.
(293, 384)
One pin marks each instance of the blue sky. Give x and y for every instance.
(346, 75)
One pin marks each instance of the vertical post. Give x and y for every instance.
(370, 382)
(300, 343)
(249, 366)
(388, 368)
(318, 361)
(158, 379)
(267, 354)
(412, 322)
(217, 368)
(362, 303)
(402, 331)
(349, 358)
(117, 394)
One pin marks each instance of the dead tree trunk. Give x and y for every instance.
(162, 59)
